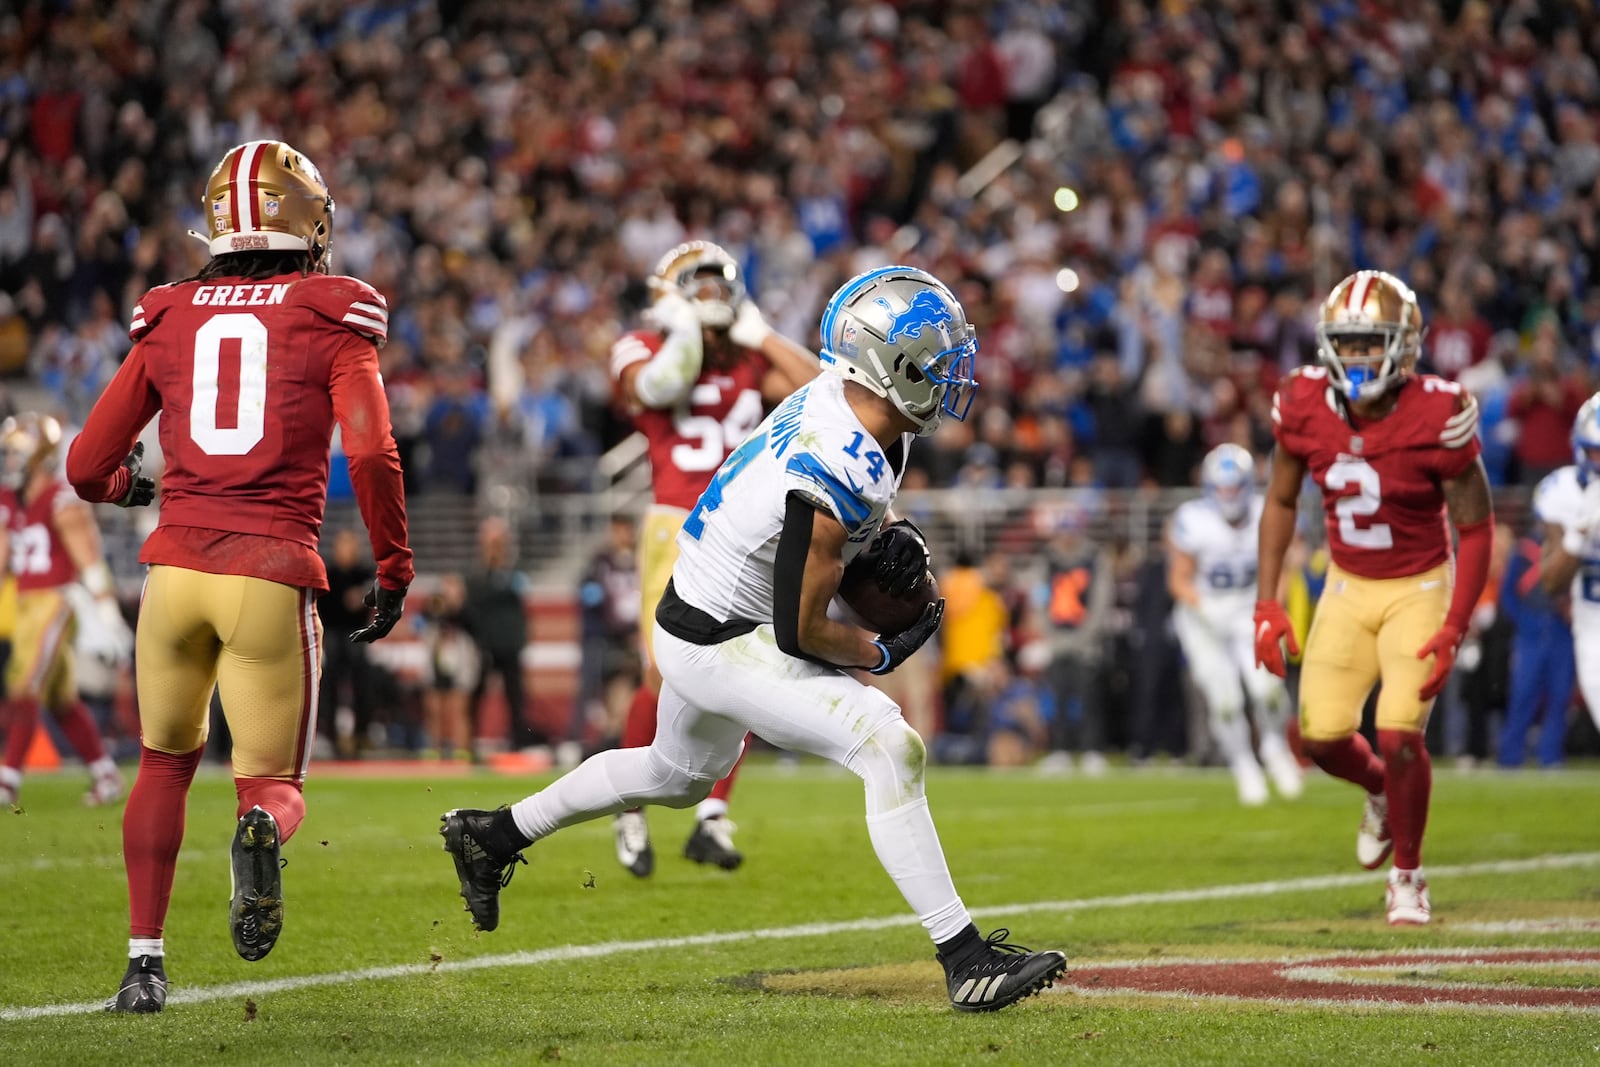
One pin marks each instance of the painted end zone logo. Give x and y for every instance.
(1554, 979)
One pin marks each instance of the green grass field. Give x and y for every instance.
(807, 955)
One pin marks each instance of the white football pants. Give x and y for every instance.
(1223, 665)
(711, 696)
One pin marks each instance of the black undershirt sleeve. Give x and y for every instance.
(788, 575)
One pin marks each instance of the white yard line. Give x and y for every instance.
(565, 953)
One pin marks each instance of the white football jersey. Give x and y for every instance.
(1560, 499)
(1224, 555)
(812, 443)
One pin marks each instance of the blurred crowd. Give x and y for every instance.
(1138, 202)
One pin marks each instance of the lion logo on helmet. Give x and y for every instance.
(926, 308)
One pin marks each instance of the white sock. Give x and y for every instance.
(908, 847)
(603, 784)
(145, 946)
(711, 808)
(104, 767)
(11, 776)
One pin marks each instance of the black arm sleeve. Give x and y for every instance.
(788, 575)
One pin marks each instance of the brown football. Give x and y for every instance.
(877, 610)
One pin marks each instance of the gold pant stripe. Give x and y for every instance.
(41, 649)
(256, 642)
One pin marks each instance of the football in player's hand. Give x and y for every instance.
(878, 609)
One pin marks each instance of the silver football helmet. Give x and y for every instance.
(901, 332)
(1586, 438)
(1228, 475)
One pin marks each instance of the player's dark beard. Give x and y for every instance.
(720, 351)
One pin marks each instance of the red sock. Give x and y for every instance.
(278, 798)
(721, 790)
(23, 717)
(1408, 781)
(1350, 758)
(152, 832)
(81, 731)
(640, 729)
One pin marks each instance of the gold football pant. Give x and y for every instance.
(41, 650)
(258, 642)
(1368, 630)
(658, 554)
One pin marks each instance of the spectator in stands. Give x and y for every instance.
(345, 701)
(1485, 673)
(454, 669)
(1543, 668)
(1544, 406)
(1074, 599)
(496, 614)
(608, 596)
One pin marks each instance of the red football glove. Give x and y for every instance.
(1273, 630)
(1442, 647)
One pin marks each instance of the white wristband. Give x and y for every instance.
(97, 579)
(1574, 541)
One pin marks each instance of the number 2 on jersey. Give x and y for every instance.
(250, 416)
(1366, 500)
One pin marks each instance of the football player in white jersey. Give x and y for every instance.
(1211, 573)
(1568, 503)
(745, 639)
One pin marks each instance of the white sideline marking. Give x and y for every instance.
(564, 953)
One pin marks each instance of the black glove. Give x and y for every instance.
(390, 605)
(902, 558)
(898, 648)
(141, 491)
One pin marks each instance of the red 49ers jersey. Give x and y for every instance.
(1382, 482)
(38, 558)
(249, 378)
(687, 443)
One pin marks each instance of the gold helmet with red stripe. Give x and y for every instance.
(28, 440)
(266, 196)
(705, 275)
(1369, 334)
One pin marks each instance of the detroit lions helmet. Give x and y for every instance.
(1369, 334)
(1228, 475)
(1586, 438)
(902, 333)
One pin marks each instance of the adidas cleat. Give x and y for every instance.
(144, 988)
(999, 974)
(255, 915)
(712, 842)
(482, 870)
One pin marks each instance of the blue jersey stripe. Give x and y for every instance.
(852, 509)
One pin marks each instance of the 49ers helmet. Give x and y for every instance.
(267, 196)
(705, 275)
(1368, 309)
(27, 442)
